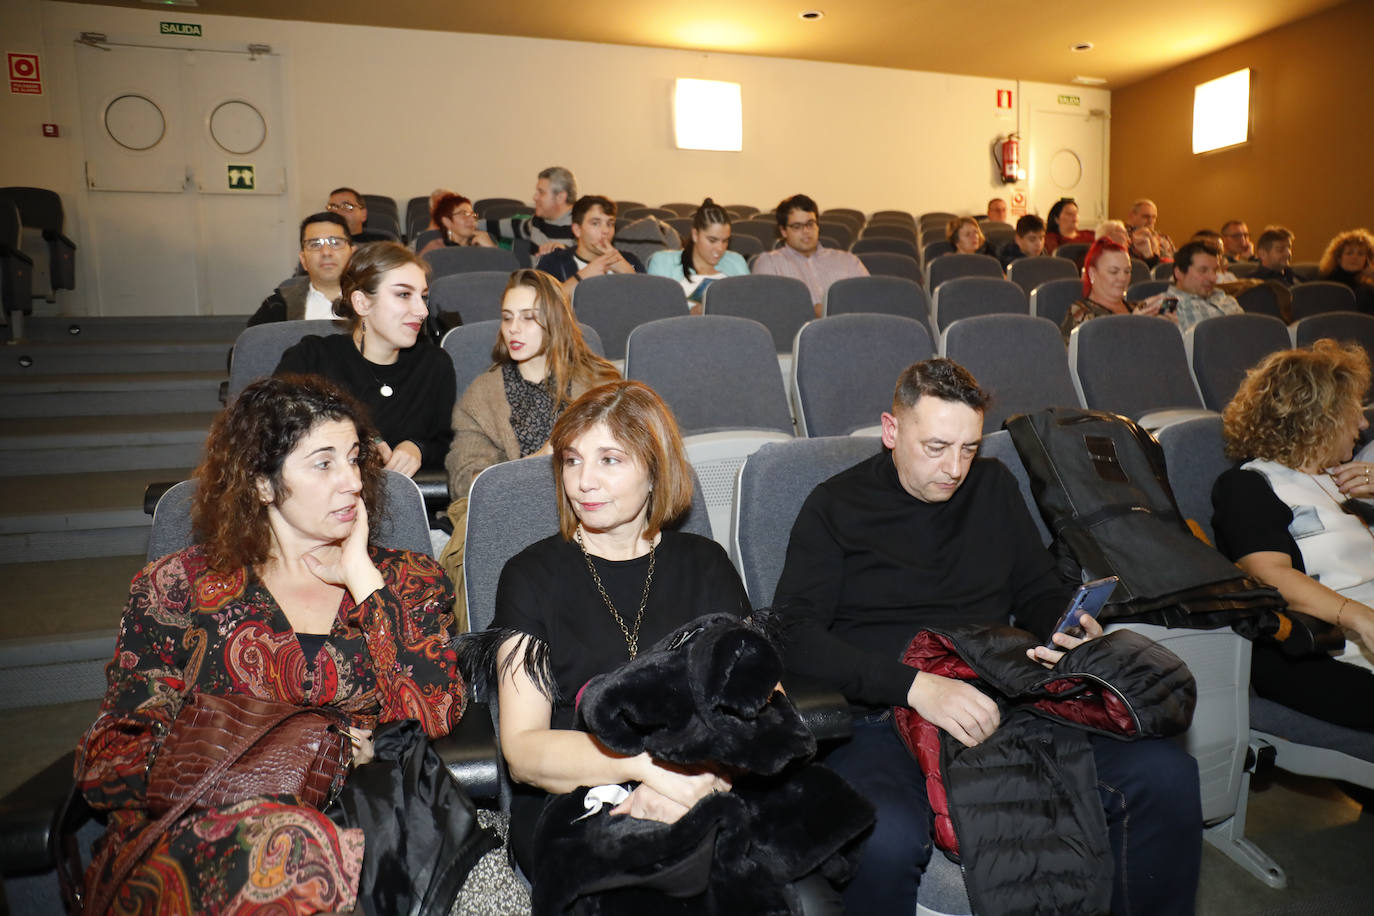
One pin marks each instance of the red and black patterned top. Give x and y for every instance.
(188, 627)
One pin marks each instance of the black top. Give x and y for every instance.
(1283, 275)
(547, 591)
(869, 565)
(423, 388)
(562, 263)
(1363, 289)
(1247, 517)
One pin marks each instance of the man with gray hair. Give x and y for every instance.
(1144, 214)
(555, 192)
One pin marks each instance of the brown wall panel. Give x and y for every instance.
(1309, 164)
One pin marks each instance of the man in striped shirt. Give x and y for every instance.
(551, 226)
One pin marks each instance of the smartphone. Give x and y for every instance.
(1088, 599)
(1170, 304)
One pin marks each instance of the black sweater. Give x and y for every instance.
(420, 408)
(868, 566)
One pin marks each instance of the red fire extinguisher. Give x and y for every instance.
(1010, 158)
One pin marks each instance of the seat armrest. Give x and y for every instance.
(470, 753)
(153, 492)
(28, 814)
(822, 708)
(434, 489)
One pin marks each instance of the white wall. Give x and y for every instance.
(400, 112)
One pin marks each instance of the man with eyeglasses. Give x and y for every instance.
(1235, 241)
(802, 257)
(349, 204)
(326, 246)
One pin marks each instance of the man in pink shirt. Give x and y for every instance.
(802, 258)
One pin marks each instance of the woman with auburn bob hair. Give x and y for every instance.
(386, 360)
(454, 216)
(282, 598)
(612, 581)
(1349, 259)
(1106, 274)
(1293, 516)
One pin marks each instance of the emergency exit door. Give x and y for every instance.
(186, 178)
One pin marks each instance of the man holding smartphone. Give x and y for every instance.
(927, 534)
(1194, 285)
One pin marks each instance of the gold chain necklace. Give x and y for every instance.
(631, 637)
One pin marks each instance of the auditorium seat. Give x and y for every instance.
(1028, 273)
(880, 294)
(16, 271)
(473, 296)
(781, 304)
(469, 347)
(1321, 296)
(1020, 359)
(882, 243)
(634, 213)
(615, 305)
(1140, 271)
(746, 246)
(745, 211)
(382, 215)
(483, 205)
(417, 216)
(1261, 300)
(681, 209)
(1164, 270)
(949, 266)
(1242, 269)
(844, 368)
(42, 238)
(445, 261)
(964, 297)
(1138, 292)
(1052, 299)
(1073, 251)
(1355, 327)
(766, 231)
(1134, 365)
(1222, 348)
(891, 264)
(258, 349)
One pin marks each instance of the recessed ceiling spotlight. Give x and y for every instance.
(812, 15)
(1090, 80)
(1081, 46)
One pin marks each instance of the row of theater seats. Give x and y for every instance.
(36, 259)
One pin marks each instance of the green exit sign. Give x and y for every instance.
(1069, 100)
(180, 28)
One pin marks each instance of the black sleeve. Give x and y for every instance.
(727, 590)
(303, 358)
(273, 308)
(1247, 517)
(559, 263)
(634, 261)
(807, 595)
(434, 447)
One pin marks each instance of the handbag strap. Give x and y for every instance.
(154, 831)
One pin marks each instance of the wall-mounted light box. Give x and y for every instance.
(707, 114)
(1221, 112)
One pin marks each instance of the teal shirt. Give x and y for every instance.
(669, 264)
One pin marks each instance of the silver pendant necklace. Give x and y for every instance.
(383, 388)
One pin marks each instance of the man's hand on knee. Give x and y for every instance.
(955, 706)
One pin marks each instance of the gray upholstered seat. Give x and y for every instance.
(781, 304)
(1144, 289)
(1052, 298)
(966, 296)
(469, 346)
(949, 266)
(258, 349)
(475, 295)
(746, 246)
(1028, 273)
(1140, 271)
(1321, 296)
(844, 368)
(1260, 300)
(445, 261)
(1133, 365)
(1221, 349)
(884, 243)
(881, 295)
(891, 264)
(1342, 326)
(1072, 251)
(615, 305)
(1019, 358)
(765, 230)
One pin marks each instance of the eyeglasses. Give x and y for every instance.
(332, 241)
(345, 206)
(466, 214)
(1237, 235)
(798, 227)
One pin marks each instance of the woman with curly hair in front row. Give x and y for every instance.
(1293, 516)
(283, 598)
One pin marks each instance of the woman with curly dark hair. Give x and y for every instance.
(1293, 515)
(282, 599)
(1349, 259)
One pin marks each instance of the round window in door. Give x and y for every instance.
(237, 127)
(1066, 169)
(135, 122)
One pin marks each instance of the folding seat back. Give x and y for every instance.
(473, 296)
(382, 215)
(469, 348)
(746, 246)
(1242, 269)
(1261, 300)
(932, 250)
(42, 239)
(1133, 365)
(781, 304)
(1221, 349)
(891, 264)
(1321, 296)
(765, 230)
(622, 205)
(1019, 358)
(445, 261)
(902, 216)
(681, 209)
(845, 366)
(1028, 273)
(484, 204)
(745, 211)
(417, 216)
(505, 209)
(1346, 327)
(258, 349)
(935, 218)
(998, 234)
(1306, 271)
(1140, 271)
(950, 266)
(682, 225)
(634, 213)
(840, 232)
(889, 231)
(1164, 270)
(966, 296)
(1073, 251)
(16, 270)
(1052, 298)
(880, 295)
(1138, 292)
(883, 243)
(615, 305)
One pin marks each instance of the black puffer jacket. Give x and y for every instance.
(1021, 809)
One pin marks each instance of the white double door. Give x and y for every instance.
(186, 178)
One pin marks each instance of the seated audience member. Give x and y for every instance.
(802, 257)
(966, 236)
(593, 225)
(1028, 243)
(925, 534)
(540, 364)
(555, 192)
(613, 581)
(1062, 226)
(282, 598)
(1214, 238)
(385, 360)
(1145, 213)
(1106, 274)
(453, 214)
(1147, 246)
(1274, 251)
(997, 210)
(349, 204)
(1285, 517)
(1115, 230)
(1235, 240)
(1349, 259)
(706, 258)
(434, 197)
(325, 249)
(1193, 287)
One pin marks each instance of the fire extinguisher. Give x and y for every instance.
(1008, 162)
